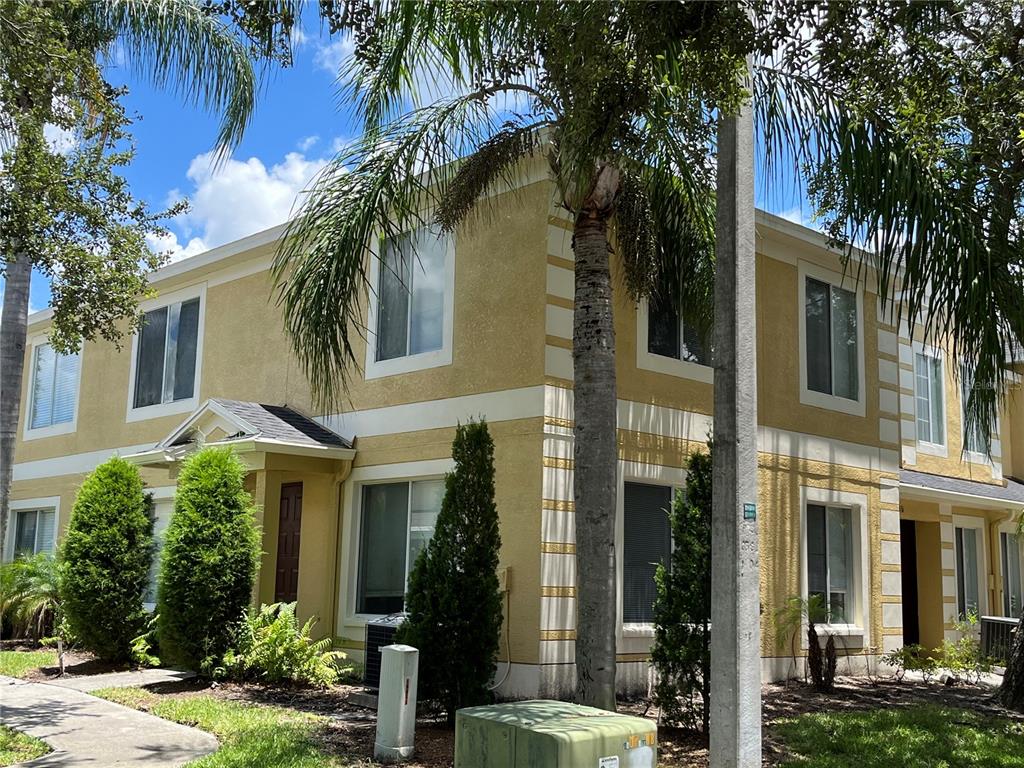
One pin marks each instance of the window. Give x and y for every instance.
(830, 580)
(669, 336)
(397, 522)
(1013, 592)
(930, 396)
(831, 339)
(54, 387)
(646, 542)
(966, 542)
(161, 519)
(165, 364)
(974, 439)
(34, 531)
(411, 295)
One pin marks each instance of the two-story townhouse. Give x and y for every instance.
(480, 325)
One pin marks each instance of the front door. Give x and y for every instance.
(289, 528)
(908, 560)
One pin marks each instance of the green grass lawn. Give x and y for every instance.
(17, 663)
(16, 747)
(270, 737)
(932, 736)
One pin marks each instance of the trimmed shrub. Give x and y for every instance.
(454, 602)
(211, 551)
(105, 560)
(682, 610)
(273, 648)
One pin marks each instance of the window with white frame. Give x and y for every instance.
(669, 336)
(1013, 592)
(930, 396)
(411, 295)
(646, 543)
(166, 350)
(162, 511)
(54, 390)
(832, 356)
(397, 520)
(830, 564)
(973, 436)
(34, 531)
(967, 549)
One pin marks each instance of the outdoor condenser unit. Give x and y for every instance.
(379, 632)
(552, 734)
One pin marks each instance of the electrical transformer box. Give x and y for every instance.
(552, 734)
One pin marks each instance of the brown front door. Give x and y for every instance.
(287, 585)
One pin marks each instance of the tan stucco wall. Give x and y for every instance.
(929, 583)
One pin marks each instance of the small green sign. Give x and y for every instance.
(750, 511)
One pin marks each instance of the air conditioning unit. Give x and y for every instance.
(379, 632)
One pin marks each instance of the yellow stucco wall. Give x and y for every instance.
(929, 583)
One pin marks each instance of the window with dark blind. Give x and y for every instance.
(646, 542)
(165, 363)
(669, 336)
(830, 315)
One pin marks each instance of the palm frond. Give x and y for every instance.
(175, 44)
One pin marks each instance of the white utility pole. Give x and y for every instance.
(735, 569)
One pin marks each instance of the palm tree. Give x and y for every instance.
(53, 56)
(618, 99)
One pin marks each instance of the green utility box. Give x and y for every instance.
(552, 734)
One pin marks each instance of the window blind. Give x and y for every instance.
(54, 387)
(647, 541)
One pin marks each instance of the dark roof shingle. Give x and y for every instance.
(278, 422)
(1012, 492)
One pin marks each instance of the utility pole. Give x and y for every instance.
(735, 569)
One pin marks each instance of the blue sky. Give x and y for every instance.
(297, 127)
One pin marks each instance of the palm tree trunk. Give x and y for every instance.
(595, 448)
(13, 330)
(1011, 692)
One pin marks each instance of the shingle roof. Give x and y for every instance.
(278, 422)
(1012, 492)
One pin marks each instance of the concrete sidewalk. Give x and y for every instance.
(86, 731)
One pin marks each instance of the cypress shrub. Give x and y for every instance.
(682, 610)
(105, 560)
(211, 551)
(454, 602)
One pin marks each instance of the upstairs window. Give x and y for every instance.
(831, 331)
(647, 542)
(397, 521)
(54, 387)
(669, 336)
(974, 439)
(830, 563)
(930, 397)
(34, 531)
(411, 295)
(165, 365)
(1013, 591)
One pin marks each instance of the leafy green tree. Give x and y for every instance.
(682, 611)
(66, 210)
(210, 555)
(454, 602)
(617, 98)
(105, 560)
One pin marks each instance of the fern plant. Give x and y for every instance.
(271, 647)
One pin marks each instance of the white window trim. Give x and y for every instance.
(178, 406)
(64, 428)
(925, 446)
(163, 493)
(651, 474)
(857, 503)
(374, 369)
(348, 594)
(1007, 527)
(979, 524)
(809, 396)
(44, 503)
(648, 361)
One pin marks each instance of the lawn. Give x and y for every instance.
(16, 747)
(271, 737)
(18, 663)
(923, 735)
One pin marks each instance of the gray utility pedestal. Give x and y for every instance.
(396, 703)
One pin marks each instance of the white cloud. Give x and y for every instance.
(305, 144)
(330, 56)
(798, 215)
(60, 140)
(235, 199)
